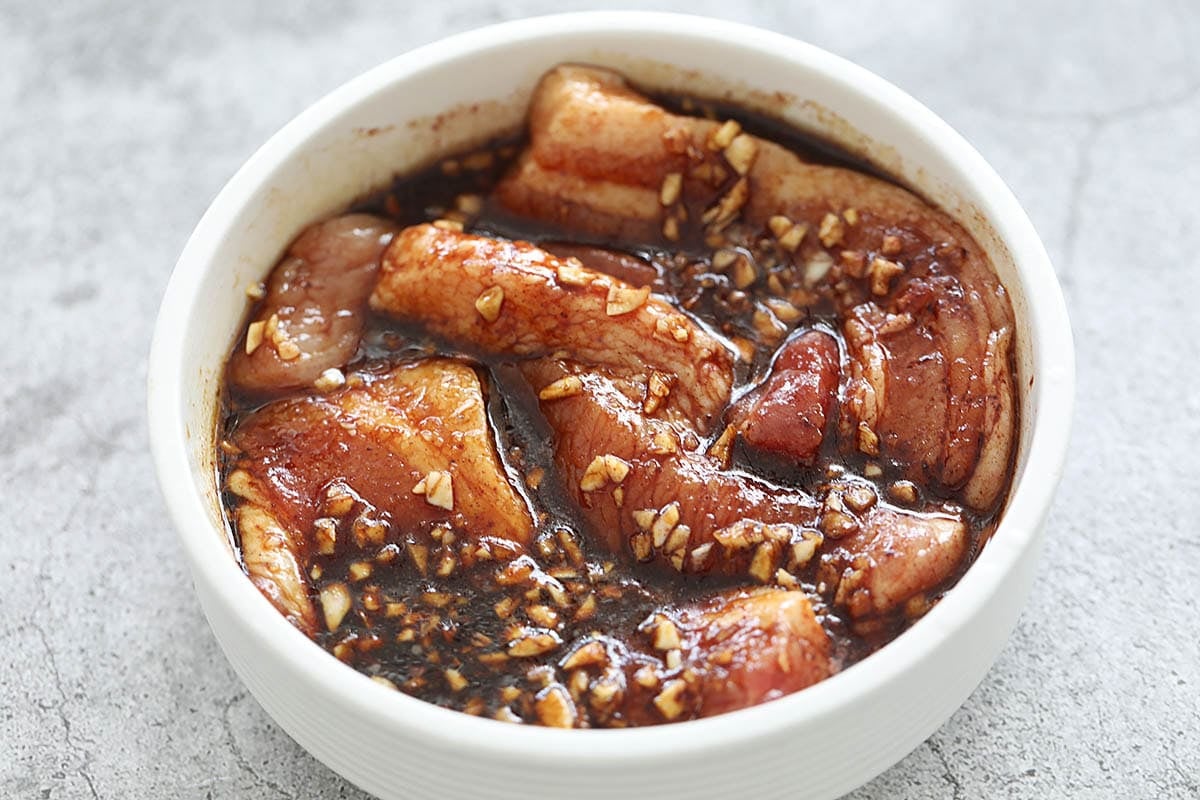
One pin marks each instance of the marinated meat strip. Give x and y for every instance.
(315, 470)
(604, 160)
(270, 552)
(515, 299)
(734, 650)
(893, 557)
(930, 381)
(788, 414)
(648, 490)
(312, 317)
(754, 646)
(599, 153)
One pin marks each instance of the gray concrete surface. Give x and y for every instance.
(120, 121)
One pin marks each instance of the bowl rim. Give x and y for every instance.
(1028, 504)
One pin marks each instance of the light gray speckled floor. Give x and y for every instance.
(120, 121)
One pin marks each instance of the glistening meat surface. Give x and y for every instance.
(736, 649)
(515, 299)
(312, 316)
(314, 470)
(649, 490)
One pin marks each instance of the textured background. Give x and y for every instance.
(118, 124)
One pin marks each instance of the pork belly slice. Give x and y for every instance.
(391, 455)
(312, 316)
(648, 487)
(894, 557)
(699, 658)
(515, 299)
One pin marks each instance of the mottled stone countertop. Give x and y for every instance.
(119, 122)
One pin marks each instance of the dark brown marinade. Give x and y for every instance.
(418, 630)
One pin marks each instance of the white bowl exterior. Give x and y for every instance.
(815, 744)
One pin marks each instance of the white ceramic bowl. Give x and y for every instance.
(818, 743)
